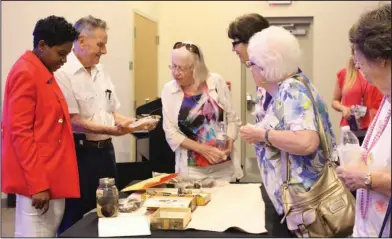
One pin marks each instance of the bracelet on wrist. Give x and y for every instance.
(266, 140)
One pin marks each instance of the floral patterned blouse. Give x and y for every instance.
(294, 110)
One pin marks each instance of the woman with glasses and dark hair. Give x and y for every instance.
(38, 154)
(197, 108)
(240, 31)
(371, 37)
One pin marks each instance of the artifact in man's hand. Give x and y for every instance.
(152, 119)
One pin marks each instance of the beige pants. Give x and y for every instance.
(221, 172)
(29, 222)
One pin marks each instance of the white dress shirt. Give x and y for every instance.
(172, 97)
(92, 96)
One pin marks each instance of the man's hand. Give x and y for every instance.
(41, 201)
(125, 123)
(145, 126)
(118, 130)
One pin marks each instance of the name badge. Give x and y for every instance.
(359, 111)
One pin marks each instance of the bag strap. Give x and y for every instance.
(387, 216)
(322, 135)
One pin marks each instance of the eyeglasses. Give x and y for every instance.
(179, 68)
(234, 43)
(190, 47)
(249, 64)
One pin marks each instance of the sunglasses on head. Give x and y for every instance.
(190, 47)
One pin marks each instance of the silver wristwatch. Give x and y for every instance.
(368, 180)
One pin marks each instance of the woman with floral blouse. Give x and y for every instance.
(289, 124)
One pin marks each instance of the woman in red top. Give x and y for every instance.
(38, 152)
(353, 89)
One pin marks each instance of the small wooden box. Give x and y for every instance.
(170, 218)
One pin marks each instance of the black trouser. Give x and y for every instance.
(93, 163)
(272, 219)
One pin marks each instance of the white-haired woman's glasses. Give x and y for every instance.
(249, 64)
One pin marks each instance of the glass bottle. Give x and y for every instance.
(221, 137)
(107, 198)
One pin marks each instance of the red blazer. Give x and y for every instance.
(38, 151)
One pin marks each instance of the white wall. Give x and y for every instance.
(206, 23)
(19, 18)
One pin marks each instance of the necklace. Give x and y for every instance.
(364, 205)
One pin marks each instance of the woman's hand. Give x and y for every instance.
(212, 154)
(346, 112)
(353, 177)
(251, 134)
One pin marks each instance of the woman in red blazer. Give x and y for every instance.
(38, 152)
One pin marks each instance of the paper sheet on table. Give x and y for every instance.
(235, 205)
(124, 225)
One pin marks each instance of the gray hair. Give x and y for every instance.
(200, 70)
(88, 24)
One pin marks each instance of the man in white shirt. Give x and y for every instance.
(93, 105)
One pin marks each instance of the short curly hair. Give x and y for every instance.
(276, 51)
(245, 26)
(54, 31)
(371, 34)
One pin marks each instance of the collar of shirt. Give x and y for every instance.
(75, 65)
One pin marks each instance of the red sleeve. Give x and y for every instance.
(374, 98)
(21, 112)
(341, 76)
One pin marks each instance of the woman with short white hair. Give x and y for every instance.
(289, 130)
(196, 106)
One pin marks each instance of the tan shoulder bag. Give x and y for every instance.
(328, 208)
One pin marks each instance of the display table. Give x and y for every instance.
(88, 227)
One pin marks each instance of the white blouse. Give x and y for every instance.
(370, 226)
(172, 97)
